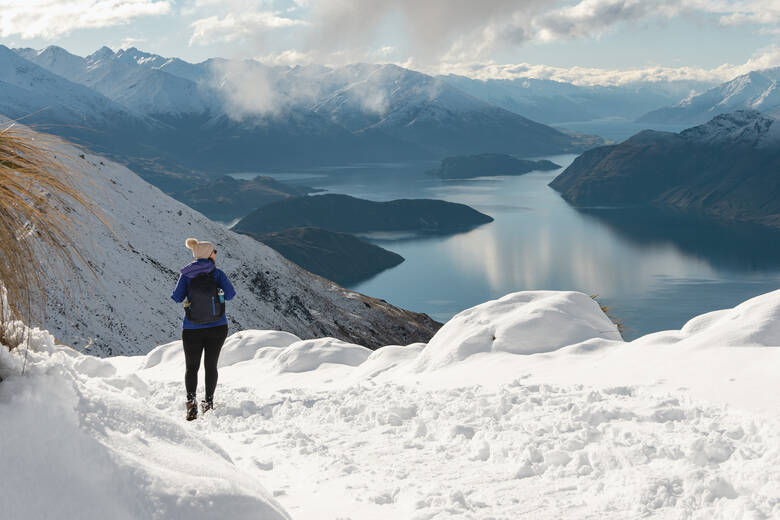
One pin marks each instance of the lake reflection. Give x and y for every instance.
(655, 270)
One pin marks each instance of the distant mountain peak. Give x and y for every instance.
(102, 53)
(743, 127)
(756, 89)
(54, 49)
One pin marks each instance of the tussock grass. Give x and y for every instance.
(607, 310)
(38, 194)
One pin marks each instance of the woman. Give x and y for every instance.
(206, 289)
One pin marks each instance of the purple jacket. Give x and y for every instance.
(202, 265)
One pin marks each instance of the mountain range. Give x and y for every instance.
(176, 122)
(551, 102)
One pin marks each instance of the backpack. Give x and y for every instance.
(205, 306)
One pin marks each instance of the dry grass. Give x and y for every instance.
(608, 311)
(37, 196)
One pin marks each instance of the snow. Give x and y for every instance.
(521, 323)
(85, 444)
(677, 424)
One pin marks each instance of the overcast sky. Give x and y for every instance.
(585, 41)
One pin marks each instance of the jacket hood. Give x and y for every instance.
(200, 266)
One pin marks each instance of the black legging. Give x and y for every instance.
(195, 342)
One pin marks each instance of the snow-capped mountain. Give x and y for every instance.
(757, 90)
(417, 108)
(31, 92)
(37, 97)
(133, 79)
(126, 307)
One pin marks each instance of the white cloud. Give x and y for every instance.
(288, 58)
(236, 26)
(246, 89)
(52, 18)
(766, 58)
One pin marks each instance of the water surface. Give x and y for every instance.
(655, 271)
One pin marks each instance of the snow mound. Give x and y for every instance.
(308, 355)
(384, 359)
(170, 353)
(754, 323)
(246, 345)
(527, 322)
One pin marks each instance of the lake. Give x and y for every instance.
(655, 271)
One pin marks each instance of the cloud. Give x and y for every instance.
(764, 59)
(246, 88)
(592, 17)
(740, 12)
(461, 30)
(432, 28)
(236, 26)
(52, 18)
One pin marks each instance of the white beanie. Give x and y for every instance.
(199, 249)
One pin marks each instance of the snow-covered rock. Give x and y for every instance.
(526, 322)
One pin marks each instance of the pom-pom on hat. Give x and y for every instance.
(199, 249)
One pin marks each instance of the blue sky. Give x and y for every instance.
(596, 41)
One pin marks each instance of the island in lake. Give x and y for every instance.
(346, 214)
(488, 164)
(341, 257)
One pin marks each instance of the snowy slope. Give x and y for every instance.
(127, 308)
(538, 413)
(755, 90)
(742, 127)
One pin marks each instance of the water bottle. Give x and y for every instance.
(221, 295)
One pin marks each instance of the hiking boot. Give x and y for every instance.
(192, 409)
(206, 405)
